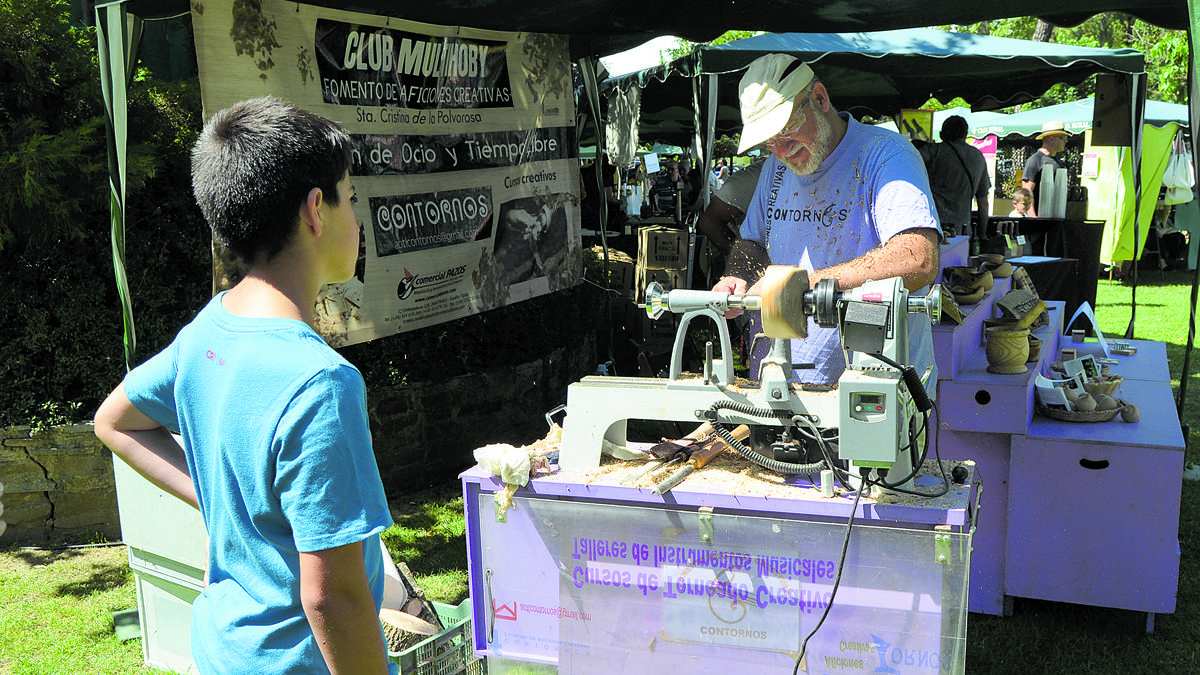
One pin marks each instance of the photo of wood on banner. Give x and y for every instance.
(464, 155)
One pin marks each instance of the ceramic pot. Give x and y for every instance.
(967, 296)
(1006, 350)
(988, 259)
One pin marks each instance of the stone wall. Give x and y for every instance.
(426, 432)
(58, 486)
(58, 483)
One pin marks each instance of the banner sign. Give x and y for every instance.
(464, 155)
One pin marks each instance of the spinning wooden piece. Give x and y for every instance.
(782, 300)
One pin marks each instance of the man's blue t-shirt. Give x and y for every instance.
(870, 188)
(278, 445)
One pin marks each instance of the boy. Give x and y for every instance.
(1022, 198)
(276, 445)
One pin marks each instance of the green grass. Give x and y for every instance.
(56, 613)
(429, 537)
(55, 607)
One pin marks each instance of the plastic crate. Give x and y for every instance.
(447, 653)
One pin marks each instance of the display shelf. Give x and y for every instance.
(1149, 363)
(954, 343)
(997, 403)
(1084, 473)
(1061, 493)
(1157, 428)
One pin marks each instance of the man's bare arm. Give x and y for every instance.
(912, 255)
(338, 603)
(145, 445)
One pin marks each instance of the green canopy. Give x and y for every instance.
(1076, 116)
(874, 73)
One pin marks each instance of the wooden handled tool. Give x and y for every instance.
(700, 458)
(670, 452)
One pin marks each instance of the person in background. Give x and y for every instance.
(665, 190)
(1054, 139)
(722, 173)
(1022, 201)
(276, 447)
(728, 206)
(1172, 243)
(840, 199)
(957, 175)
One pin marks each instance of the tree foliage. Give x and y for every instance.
(60, 318)
(1166, 51)
(683, 47)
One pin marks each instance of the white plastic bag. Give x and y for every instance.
(1180, 175)
(510, 463)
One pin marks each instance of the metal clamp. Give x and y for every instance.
(706, 524)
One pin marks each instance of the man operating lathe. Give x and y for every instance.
(837, 198)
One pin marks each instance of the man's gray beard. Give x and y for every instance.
(818, 151)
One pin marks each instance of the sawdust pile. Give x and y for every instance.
(732, 474)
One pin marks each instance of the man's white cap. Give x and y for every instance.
(1053, 128)
(767, 93)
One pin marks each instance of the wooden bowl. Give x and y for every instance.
(1107, 387)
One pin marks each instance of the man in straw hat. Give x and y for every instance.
(1054, 138)
(837, 198)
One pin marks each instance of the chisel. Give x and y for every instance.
(699, 458)
(671, 452)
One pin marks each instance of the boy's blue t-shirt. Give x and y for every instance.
(275, 429)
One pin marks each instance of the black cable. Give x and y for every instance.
(748, 453)
(941, 467)
(836, 580)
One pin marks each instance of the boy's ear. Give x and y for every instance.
(310, 210)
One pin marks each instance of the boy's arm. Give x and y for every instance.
(145, 445)
(341, 611)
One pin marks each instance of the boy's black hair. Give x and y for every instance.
(254, 165)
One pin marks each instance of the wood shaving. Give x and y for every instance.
(732, 474)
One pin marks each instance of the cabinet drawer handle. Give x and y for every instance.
(1094, 464)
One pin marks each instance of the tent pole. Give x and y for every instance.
(587, 68)
(1136, 119)
(1194, 128)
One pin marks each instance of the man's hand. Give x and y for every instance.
(735, 286)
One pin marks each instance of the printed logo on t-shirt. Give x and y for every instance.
(829, 216)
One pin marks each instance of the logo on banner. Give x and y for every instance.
(378, 66)
(407, 285)
(505, 612)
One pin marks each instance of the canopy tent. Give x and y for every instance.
(1075, 115)
(1111, 187)
(877, 73)
(981, 118)
(600, 27)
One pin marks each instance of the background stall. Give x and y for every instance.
(1105, 171)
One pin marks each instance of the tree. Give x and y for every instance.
(1166, 50)
(683, 47)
